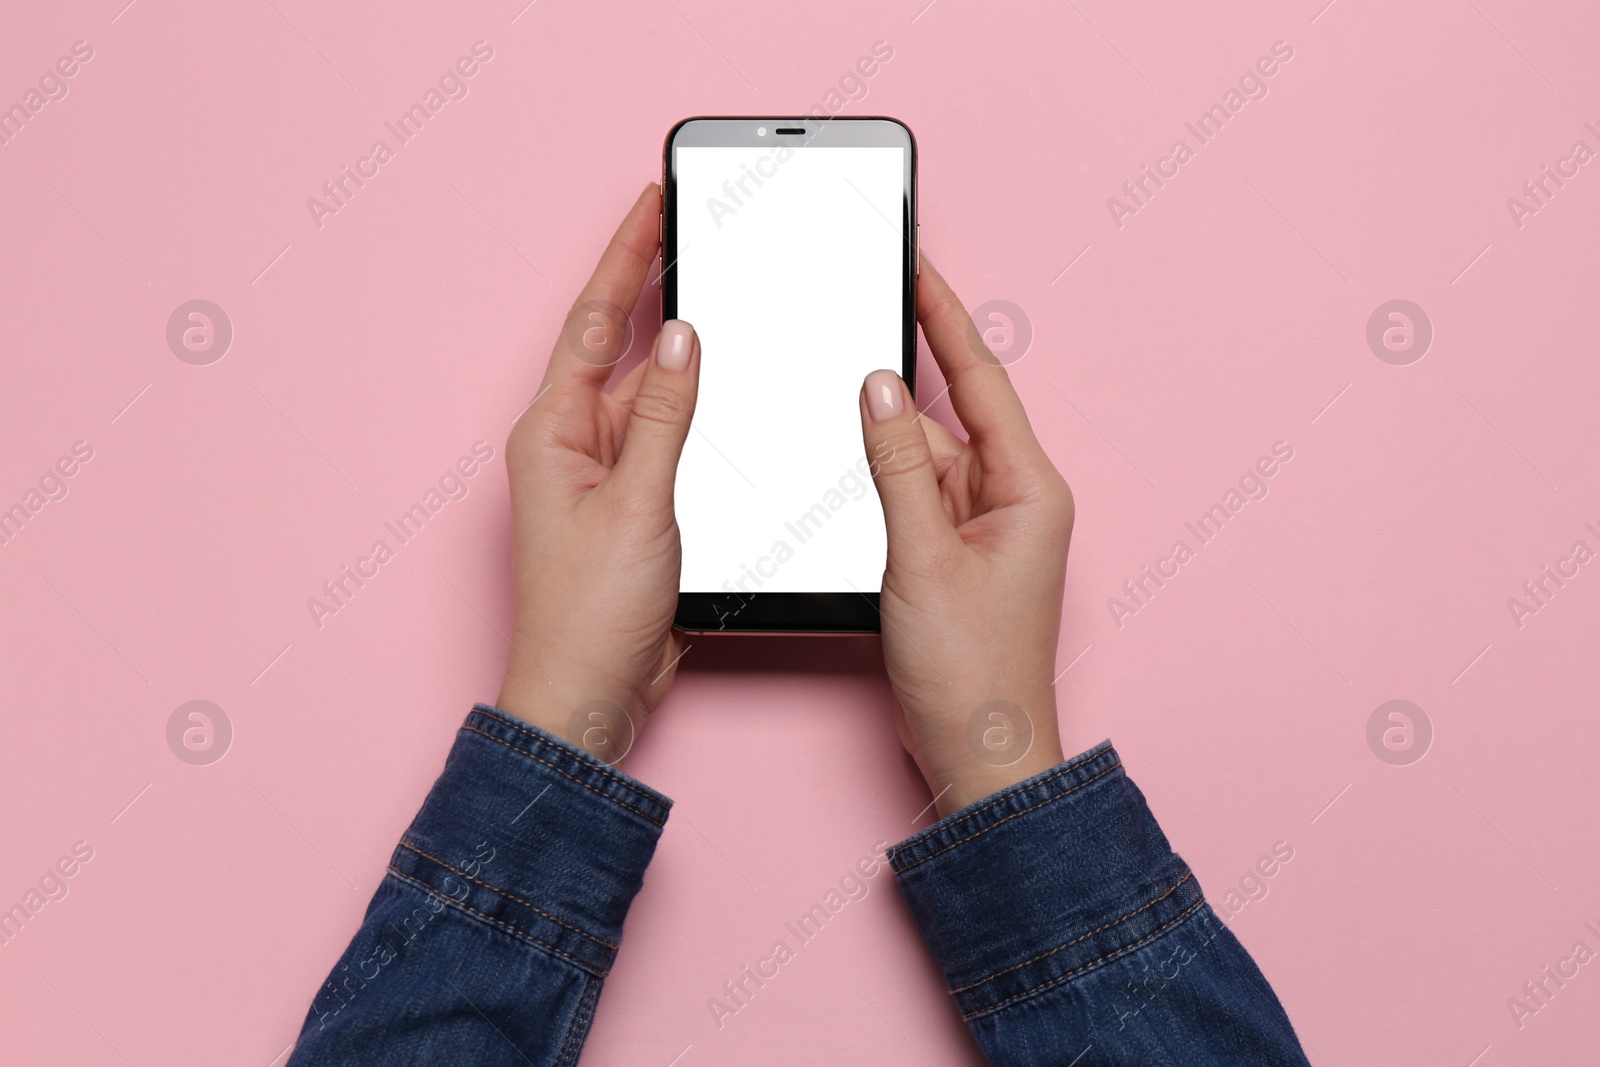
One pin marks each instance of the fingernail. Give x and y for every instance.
(675, 345)
(884, 395)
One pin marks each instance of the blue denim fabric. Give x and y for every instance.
(1071, 933)
(500, 914)
(1068, 930)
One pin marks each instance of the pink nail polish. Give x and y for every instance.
(675, 345)
(885, 398)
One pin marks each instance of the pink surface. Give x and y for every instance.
(1226, 314)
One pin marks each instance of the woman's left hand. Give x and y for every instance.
(596, 550)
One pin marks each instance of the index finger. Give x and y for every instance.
(980, 390)
(592, 338)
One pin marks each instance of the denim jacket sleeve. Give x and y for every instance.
(1070, 932)
(500, 913)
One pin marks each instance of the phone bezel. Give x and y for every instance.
(849, 612)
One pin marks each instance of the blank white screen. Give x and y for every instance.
(795, 289)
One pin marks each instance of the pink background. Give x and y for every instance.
(1226, 315)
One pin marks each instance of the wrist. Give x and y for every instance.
(1000, 743)
(598, 724)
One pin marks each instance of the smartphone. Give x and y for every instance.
(790, 244)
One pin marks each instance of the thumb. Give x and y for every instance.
(658, 423)
(902, 467)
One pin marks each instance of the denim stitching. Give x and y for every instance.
(607, 772)
(579, 1030)
(1124, 950)
(1074, 765)
(1048, 800)
(1069, 768)
(507, 927)
(508, 896)
(1145, 907)
(564, 774)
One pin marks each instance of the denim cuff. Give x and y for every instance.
(534, 837)
(1042, 882)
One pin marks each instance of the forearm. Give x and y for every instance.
(500, 914)
(1067, 927)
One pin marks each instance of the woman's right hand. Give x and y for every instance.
(978, 535)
